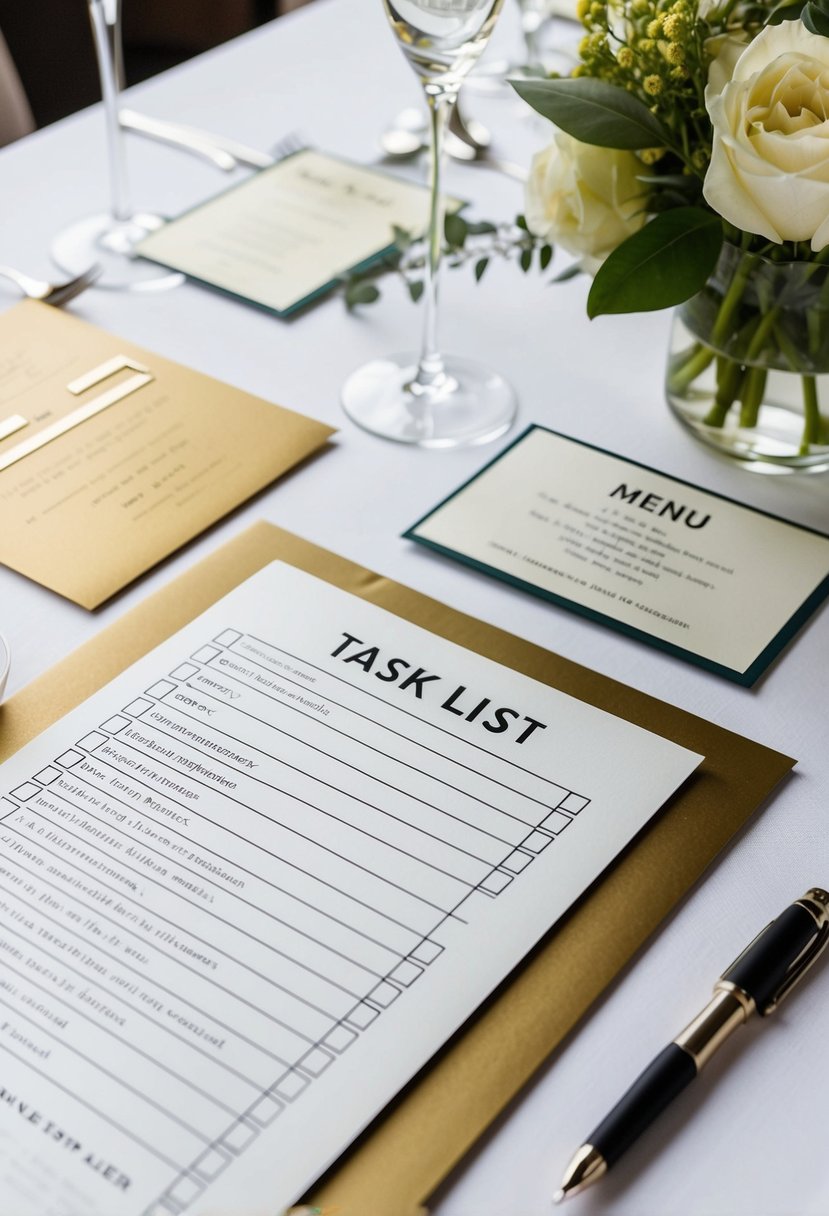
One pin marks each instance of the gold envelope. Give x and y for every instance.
(99, 504)
(398, 1162)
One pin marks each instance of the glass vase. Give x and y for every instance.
(748, 366)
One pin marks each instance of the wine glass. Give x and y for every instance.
(110, 238)
(430, 399)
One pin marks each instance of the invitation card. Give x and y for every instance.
(112, 457)
(283, 237)
(251, 885)
(694, 573)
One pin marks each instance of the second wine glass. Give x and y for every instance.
(109, 239)
(434, 400)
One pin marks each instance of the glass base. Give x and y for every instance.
(470, 404)
(111, 244)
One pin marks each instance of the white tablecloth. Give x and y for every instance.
(750, 1137)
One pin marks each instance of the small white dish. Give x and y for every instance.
(5, 659)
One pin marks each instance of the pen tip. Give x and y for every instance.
(559, 1197)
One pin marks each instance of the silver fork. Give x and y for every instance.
(51, 293)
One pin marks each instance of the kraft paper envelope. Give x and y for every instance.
(145, 454)
(410, 1148)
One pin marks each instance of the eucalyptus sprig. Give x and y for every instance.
(466, 243)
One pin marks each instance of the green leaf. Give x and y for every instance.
(786, 10)
(526, 259)
(816, 19)
(361, 293)
(572, 272)
(480, 267)
(521, 222)
(594, 112)
(662, 264)
(545, 256)
(415, 290)
(455, 229)
(402, 237)
(482, 228)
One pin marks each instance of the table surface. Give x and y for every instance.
(750, 1137)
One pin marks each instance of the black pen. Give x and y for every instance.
(765, 972)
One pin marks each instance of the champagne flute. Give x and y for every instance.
(430, 399)
(110, 238)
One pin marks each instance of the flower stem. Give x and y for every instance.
(680, 377)
(812, 422)
(751, 395)
(729, 379)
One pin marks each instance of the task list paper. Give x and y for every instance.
(692, 572)
(252, 885)
(284, 237)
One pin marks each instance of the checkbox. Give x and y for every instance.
(556, 822)
(138, 707)
(239, 1136)
(93, 740)
(185, 1190)
(517, 861)
(362, 1015)
(227, 637)
(205, 654)
(161, 688)
(496, 882)
(427, 951)
(25, 791)
(69, 759)
(211, 1163)
(574, 803)
(536, 842)
(339, 1038)
(290, 1085)
(406, 973)
(384, 994)
(113, 725)
(47, 775)
(316, 1061)
(185, 671)
(266, 1110)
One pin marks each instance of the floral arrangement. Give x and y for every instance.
(690, 163)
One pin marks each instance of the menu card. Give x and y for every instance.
(112, 457)
(696, 574)
(286, 235)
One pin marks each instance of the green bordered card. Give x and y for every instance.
(693, 573)
(285, 236)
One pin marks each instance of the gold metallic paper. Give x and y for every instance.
(126, 455)
(395, 1165)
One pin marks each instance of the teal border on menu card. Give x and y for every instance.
(746, 678)
(325, 288)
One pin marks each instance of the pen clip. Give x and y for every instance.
(816, 902)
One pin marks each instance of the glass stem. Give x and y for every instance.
(105, 16)
(430, 371)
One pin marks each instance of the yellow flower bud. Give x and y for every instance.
(624, 57)
(646, 45)
(652, 85)
(674, 53)
(672, 25)
(649, 156)
(654, 28)
(582, 9)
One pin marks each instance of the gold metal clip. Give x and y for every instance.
(816, 902)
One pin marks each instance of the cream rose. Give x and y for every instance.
(769, 171)
(584, 198)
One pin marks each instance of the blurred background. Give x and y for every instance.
(44, 36)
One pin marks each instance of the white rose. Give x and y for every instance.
(769, 171)
(584, 198)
